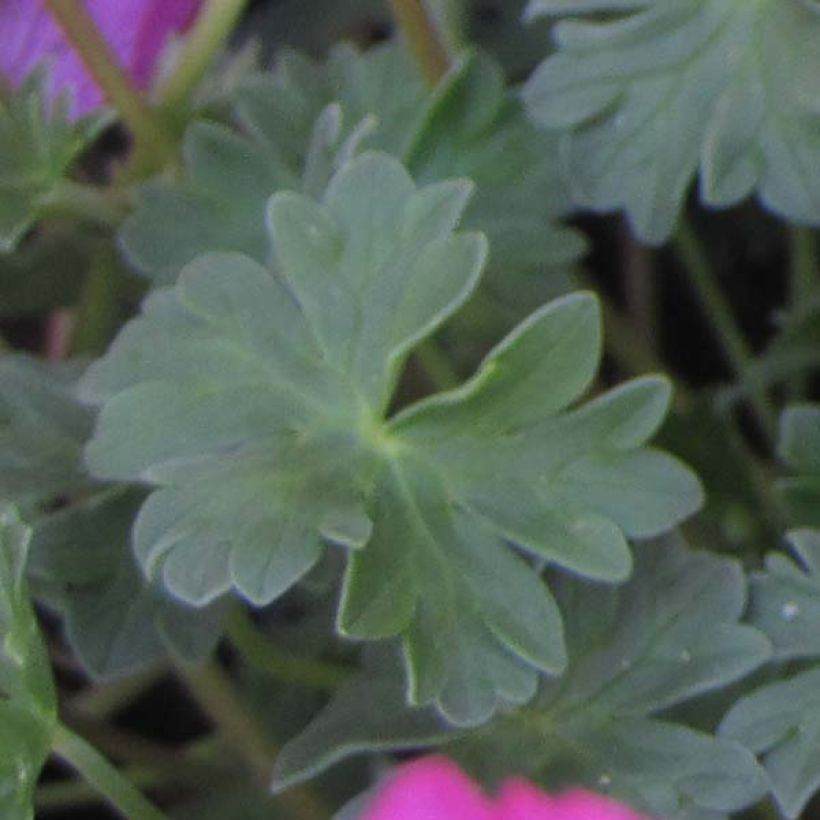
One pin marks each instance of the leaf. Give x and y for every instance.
(28, 710)
(42, 430)
(81, 562)
(368, 713)
(38, 145)
(302, 122)
(669, 635)
(799, 447)
(254, 401)
(654, 92)
(116, 623)
(781, 721)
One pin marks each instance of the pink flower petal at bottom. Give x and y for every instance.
(520, 800)
(432, 788)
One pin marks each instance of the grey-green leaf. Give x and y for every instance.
(663, 90)
(253, 400)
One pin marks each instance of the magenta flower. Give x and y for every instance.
(137, 31)
(434, 788)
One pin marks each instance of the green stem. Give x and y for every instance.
(437, 366)
(803, 264)
(104, 777)
(422, 36)
(451, 16)
(214, 692)
(214, 24)
(105, 699)
(148, 129)
(260, 651)
(95, 320)
(718, 311)
(96, 206)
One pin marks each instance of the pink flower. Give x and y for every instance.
(434, 788)
(137, 31)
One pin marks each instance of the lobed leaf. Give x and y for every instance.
(42, 430)
(302, 122)
(652, 92)
(38, 145)
(253, 400)
(668, 635)
(781, 721)
(80, 560)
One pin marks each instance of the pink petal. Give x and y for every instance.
(432, 788)
(137, 30)
(519, 800)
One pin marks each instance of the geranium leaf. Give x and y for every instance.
(42, 430)
(28, 711)
(780, 721)
(254, 400)
(669, 635)
(38, 144)
(648, 97)
(82, 564)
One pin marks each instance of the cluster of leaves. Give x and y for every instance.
(253, 420)
(38, 144)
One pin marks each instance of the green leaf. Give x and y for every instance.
(654, 92)
(799, 447)
(38, 145)
(781, 721)
(220, 205)
(42, 430)
(669, 635)
(368, 713)
(81, 562)
(302, 122)
(27, 698)
(254, 401)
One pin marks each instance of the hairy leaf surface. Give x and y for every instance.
(27, 699)
(667, 636)
(254, 401)
(652, 92)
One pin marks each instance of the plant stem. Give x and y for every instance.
(718, 311)
(95, 319)
(214, 692)
(214, 24)
(104, 777)
(803, 264)
(420, 32)
(148, 129)
(103, 700)
(88, 203)
(260, 651)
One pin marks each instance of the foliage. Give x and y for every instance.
(351, 465)
(658, 91)
(38, 144)
(27, 696)
(314, 349)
